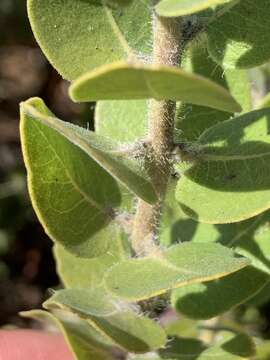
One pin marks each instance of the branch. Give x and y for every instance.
(167, 51)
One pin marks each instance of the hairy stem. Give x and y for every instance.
(167, 51)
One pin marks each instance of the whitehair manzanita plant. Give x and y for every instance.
(165, 204)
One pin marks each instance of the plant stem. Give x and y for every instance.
(167, 51)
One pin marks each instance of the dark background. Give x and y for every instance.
(27, 268)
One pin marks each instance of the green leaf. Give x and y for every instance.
(82, 339)
(249, 238)
(138, 279)
(261, 298)
(88, 273)
(230, 181)
(124, 121)
(192, 120)
(171, 8)
(108, 154)
(73, 196)
(265, 102)
(77, 36)
(207, 300)
(121, 81)
(231, 347)
(239, 38)
(113, 318)
(263, 351)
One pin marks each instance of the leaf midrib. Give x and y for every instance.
(85, 196)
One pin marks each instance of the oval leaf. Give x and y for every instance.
(88, 273)
(112, 318)
(230, 181)
(73, 196)
(121, 81)
(207, 300)
(193, 120)
(239, 38)
(124, 121)
(171, 8)
(138, 279)
(107, 31)
(83, 340)
(130, 171)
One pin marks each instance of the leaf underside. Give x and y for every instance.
(122, 81)
(114, 319)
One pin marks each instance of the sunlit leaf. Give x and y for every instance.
(192, 120)
(72, 195)
(210, 299)
(171, 8)
(230, 181)
(239, 38)
(231, 347)
(88, 273)
(121, 81)
(108, 154)
(124, 121)
(77, 36)
(138, 279)
(113, 318)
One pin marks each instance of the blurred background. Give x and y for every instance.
(27, 268)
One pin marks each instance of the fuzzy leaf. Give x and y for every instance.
(138, 279)
(107, 153)
(263, 351)
(106, 31)
(121, 81)
(72, 195)
(124, 121)
(207, 300)
(112, 318)
(88, 273)
(82, 339)
(240, 37)
(231, 347)
(249, 238)
(231, 177)
(172, 8)
(192, 120)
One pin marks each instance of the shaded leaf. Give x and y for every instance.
(231, 347)
(240, 37)
(82, 339)
(207, 300)
(106, 31)
(130, 171)
(138, 279)
(249, 238)
(171, 8)
(74, 208)
(261, 298)
(112, 318)
(192, 120)
(230, 181)
(88, 273)
(121, 81)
